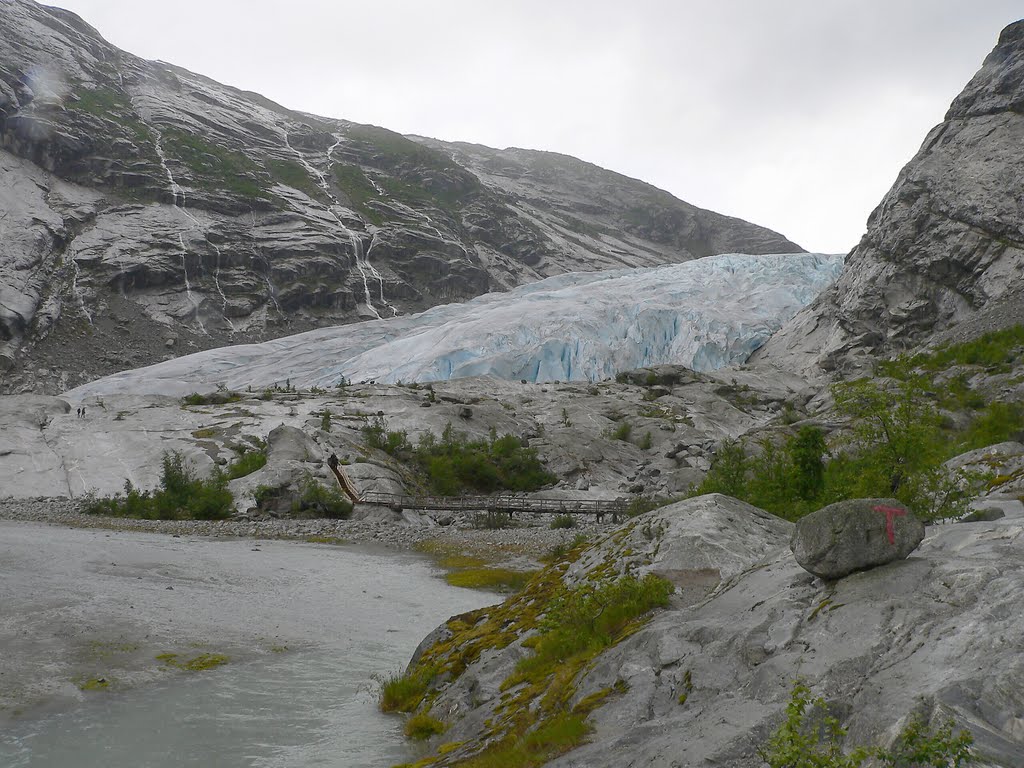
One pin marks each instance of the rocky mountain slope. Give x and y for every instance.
(655, 432)
(148, 211)
(944, 251)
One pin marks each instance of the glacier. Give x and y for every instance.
(581, 326)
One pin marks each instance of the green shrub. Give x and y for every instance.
(997, 422)
(220, 397)
(247, 462)
(325, 420)
(493, 521)
(646, 441)
(621, 432)
(896, 442)
(318, 500)
(454, 464)
(810, 737)
(563, 521)
(895, 446)
(180, 495)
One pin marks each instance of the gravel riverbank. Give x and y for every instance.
(519, 546)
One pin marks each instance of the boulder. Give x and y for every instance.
(855, 535)
(286, 443)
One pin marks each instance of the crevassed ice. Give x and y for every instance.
(582, 326)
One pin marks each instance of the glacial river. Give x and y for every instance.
(306, 628)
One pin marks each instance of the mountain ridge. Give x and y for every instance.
(169, 213)
(943, 255)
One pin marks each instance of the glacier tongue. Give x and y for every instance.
(704, 314)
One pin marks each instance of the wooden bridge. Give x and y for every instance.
(507, 503)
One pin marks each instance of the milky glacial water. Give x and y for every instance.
(312, 705)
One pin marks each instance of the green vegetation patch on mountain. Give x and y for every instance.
(899, 433)
(215, 168)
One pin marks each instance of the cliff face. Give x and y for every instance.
(149, 211)
(944, 251)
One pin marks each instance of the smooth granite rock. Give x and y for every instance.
(937, 635)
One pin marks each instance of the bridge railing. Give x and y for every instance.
(510, 503)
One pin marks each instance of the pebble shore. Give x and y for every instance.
(520, 546)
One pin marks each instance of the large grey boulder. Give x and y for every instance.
(287, 443)
(855, 535)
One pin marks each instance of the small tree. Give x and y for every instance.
(807, 452)
(895, 428)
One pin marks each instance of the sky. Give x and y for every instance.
(793, 114)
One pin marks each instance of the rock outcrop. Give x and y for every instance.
(45, 450)
(150, 211)
(944, 251)
(855, 535)
(706, 681)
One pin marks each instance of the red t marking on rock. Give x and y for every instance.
(891, 513)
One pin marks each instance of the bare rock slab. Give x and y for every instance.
(855, 535)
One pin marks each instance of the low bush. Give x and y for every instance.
(181, 495)
(896, 442)
(493, 521)
(220, 397)
(810, 737)
(560, 551)
(248, 461)
(453, 464)
(563, 521)
(317, 500)
(895, 445)
(621, 432)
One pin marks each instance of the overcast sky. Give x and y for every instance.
(796, 115)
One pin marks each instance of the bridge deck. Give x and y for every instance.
(500, 503)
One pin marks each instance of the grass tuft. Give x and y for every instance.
(403, 692)
(422, 726)
(492, 579)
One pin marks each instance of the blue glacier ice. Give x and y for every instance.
(582, 326)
